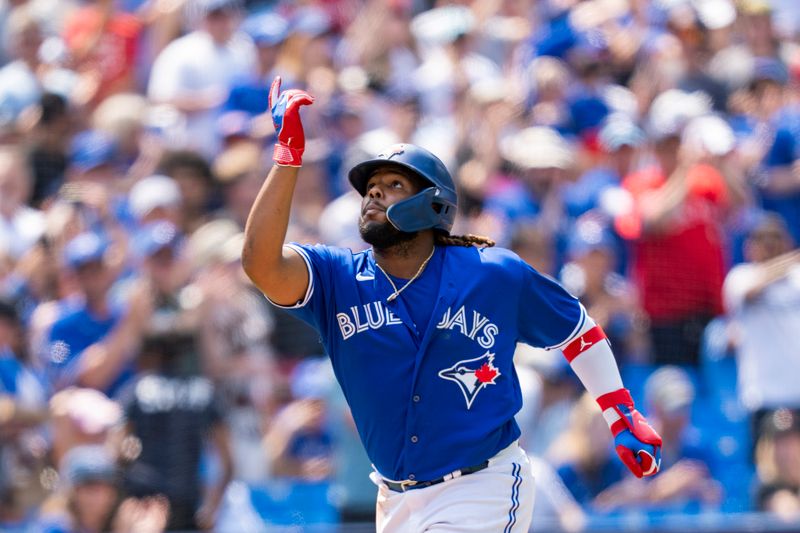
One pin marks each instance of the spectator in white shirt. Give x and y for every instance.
(195, 72)
(762, 297)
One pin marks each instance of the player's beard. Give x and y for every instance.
(383, 235)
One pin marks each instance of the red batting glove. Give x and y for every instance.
(637, 444)
(285, 108)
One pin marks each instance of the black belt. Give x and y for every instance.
(402, 486)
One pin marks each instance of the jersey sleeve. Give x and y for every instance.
(548, 315)
(317, 303)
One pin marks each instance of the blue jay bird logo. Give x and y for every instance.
(392, 151)
(472, 375)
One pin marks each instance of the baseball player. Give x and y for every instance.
(421, 330)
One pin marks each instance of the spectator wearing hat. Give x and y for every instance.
(155, 198)
(620, 141)
(777, 184)
(582, 454)
(195, 73)
(591, 275)
(543, 159)
(93, 158)
(80, 417)
(89, 496)
(90, 499)
(675, 223)
(760, 299)
(309, 45)
(93, 342)
(454, 62)
(129, 121)
(669, 393)
(268, 31)
(299, 443)
(778, 464)
(685, 483)
(164, 267)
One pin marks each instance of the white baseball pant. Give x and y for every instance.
(498, 499)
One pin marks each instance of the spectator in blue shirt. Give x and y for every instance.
(268, 31)
(583, 454)
(685, 483)
(299, 443)
(620, 140)
(22, 407)
(91, 344)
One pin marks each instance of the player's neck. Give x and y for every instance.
(403, 260)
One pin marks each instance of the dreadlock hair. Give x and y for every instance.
(463, 240)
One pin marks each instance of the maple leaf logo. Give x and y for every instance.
(472, 375)
(486, 373)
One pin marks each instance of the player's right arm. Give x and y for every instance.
(278, 271)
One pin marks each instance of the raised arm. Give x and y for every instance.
(278, 271)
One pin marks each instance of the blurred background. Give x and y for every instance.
(646, 153)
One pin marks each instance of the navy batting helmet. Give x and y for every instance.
(431, 208)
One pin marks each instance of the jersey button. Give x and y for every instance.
(412, 477)
(414, 439)
(415, 398)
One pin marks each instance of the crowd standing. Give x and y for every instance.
(645, 153)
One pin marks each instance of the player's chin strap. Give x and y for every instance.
(590, 356)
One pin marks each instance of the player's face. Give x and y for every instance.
(385, 188)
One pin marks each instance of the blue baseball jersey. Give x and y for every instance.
(429, 399)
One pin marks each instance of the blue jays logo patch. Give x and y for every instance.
(392, 151)
(472, 375)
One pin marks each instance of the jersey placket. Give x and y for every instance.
(413, 440)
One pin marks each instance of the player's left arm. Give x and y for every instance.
(589, 354)
(550, 317)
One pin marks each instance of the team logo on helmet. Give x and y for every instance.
(389, 153)
(472, 375)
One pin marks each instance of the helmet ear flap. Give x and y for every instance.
(424, 210)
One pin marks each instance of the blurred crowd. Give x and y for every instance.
(645, 153)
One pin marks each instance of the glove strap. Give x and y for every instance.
(286, 156)
(616, 407)
(619, 405)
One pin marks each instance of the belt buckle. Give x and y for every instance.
(407, 483)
